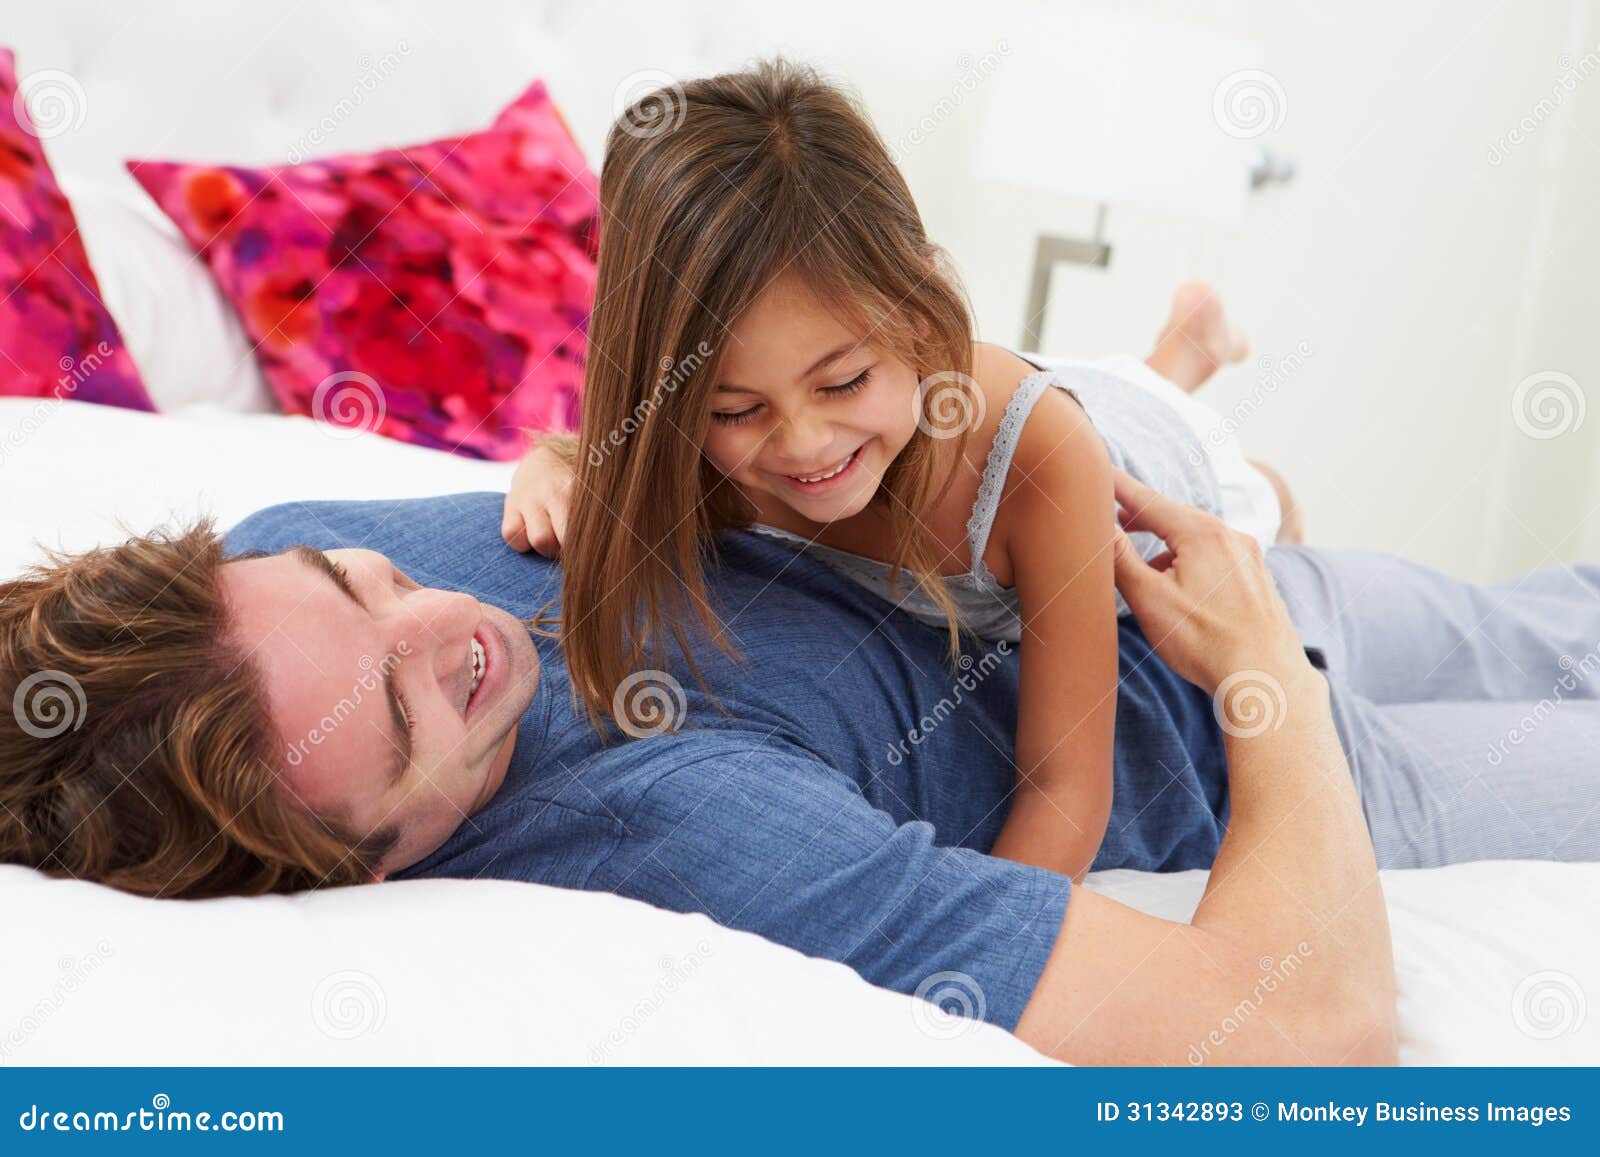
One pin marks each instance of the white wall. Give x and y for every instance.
(1426, 280)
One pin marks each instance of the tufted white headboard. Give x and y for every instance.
(261, 83)
(255, 83)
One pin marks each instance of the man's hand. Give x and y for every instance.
(541, 492)
(1295, 872)
(1208, 605)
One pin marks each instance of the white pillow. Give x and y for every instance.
(184, 336)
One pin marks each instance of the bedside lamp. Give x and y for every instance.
(1117, 110)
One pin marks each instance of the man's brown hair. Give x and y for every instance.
(136, 748)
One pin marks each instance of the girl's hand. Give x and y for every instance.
(536, 505)
(1209, 605)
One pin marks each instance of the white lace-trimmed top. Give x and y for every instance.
(1143, 436)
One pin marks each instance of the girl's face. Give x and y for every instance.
(806, 413)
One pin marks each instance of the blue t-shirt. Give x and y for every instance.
(838, 794)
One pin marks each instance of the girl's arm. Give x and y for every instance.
(535, 515)
(1059, 522)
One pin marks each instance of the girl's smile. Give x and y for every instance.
(808, 415)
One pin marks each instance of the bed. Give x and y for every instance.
(1497, 962)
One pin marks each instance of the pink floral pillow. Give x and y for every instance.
(439, 294)
(56, 338)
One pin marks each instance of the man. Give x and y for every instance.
(304, 717)
(321, 715)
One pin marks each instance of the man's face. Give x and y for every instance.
(396, 704)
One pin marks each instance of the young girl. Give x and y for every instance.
(777, 345)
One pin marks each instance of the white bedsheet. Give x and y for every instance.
(1498, 963)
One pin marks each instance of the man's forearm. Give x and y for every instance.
(1295, 875)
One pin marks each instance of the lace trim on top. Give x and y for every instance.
(998, 468)
(980, 524)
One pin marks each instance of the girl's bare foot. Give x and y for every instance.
(1197, 339)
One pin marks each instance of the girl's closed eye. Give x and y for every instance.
(843, 390)
(735, 418)
(854, 385)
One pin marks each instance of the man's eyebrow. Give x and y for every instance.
(825, 360)
(323, 564)
(318, 561)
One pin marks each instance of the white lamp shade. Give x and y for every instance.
(1109, 107)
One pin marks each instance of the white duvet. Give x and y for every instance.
(1497, 962)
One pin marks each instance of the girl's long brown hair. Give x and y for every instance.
(708, 193)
